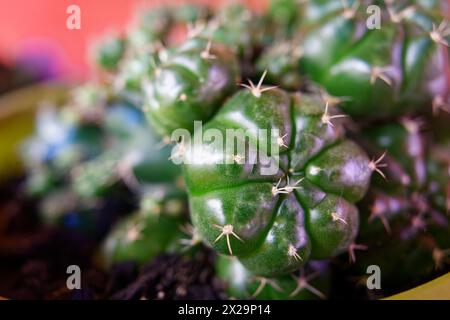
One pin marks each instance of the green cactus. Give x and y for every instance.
(109, 52)
(132, 72)
(154, 229)
(134, 157)
(285, 16)
(279, 199)
(241, 284)
(404, 221)
(190, 13)
(304, 209)
(148, 31)
(58, 144)
(281, 62)
(236, 27)
(376, 72)
(189, 85)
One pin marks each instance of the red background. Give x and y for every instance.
(38, 27)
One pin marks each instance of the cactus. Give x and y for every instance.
(93, 151)
(236, 27)
(241, 284)
(377, 72)
(132, 72)
(404, 222)
(109, 52)
(189, 85)
(190, 13)
(275, 223)
(154, 229)
(146, 38)
(58, 145)
(300, 201)
(284, 15)
(134, 157)
(281, 62)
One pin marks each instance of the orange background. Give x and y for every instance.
(39, 27)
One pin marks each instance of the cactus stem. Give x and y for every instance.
(227, 230)
(303, 283)
(380, 73)
(262, 284)
(351, 251)
(326, 118)
(206, 54)
(257, 90)
(280, 141)
(335, 216)
(292, 252)
(439, 104)
(349, 11)
(375, 165)
(439, 33)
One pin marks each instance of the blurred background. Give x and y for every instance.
(33, 34)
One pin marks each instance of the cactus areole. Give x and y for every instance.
(189, 84)
(275, 223)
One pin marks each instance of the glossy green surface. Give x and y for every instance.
(378, 72)
(404, 220)
(109, 52)
(141, 236)
(281, 62)
(241, 284)
(154, 229)
(277, 224)
(238, 28)
(190, 84)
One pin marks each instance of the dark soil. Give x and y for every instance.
(34, 259)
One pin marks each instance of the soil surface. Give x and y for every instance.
(34, 260)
